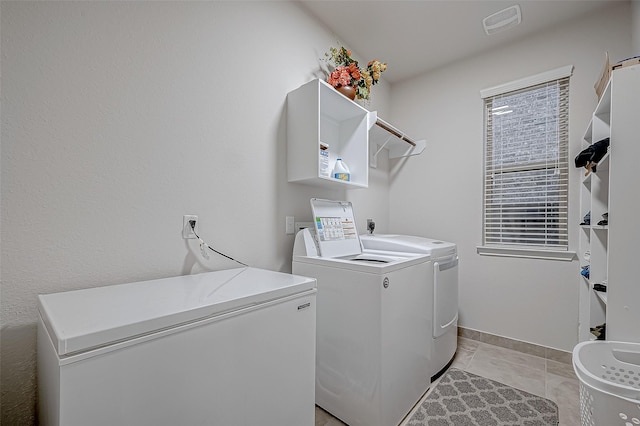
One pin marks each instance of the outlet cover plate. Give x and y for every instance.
(187, 232)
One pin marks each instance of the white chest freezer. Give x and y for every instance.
(233, 347)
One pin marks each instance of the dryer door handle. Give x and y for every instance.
(448, 263)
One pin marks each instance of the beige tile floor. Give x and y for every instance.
(543, 377)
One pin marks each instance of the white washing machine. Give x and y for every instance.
(443, 289)
(372, 344)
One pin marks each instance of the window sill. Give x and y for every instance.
(530, 253)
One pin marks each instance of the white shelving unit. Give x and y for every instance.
(613, 189)
(317, 113)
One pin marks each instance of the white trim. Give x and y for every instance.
(532, 80)
(531, 253)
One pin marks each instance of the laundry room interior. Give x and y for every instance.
(123, 121)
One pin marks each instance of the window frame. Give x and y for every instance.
(529, 250)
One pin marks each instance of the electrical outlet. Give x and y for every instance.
(289, 222)
(371, 226)
(187, 232)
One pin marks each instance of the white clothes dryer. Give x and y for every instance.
(443, 289)
(372, 333)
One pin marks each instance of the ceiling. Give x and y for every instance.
(420, 35)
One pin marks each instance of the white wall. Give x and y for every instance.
(635, 8)
(120, 117)
(439, 194)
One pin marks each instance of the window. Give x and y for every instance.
(526, 167)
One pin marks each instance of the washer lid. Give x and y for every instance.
(85, 319)
(335, 228)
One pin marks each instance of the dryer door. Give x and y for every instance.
(445, 295)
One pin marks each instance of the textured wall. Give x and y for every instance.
(525, 299)
(635, 5)
(120, 117)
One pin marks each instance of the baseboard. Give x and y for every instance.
(516, 345)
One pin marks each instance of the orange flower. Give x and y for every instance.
(354, 70)
(347, 73)
(340, 77)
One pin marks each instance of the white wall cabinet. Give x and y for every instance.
(317, 113)
(611, 250)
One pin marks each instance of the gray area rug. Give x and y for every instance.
(461, 399)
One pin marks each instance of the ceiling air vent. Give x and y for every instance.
(503, 20)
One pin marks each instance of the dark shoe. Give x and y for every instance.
(599, 331)
(587, 219)
(600, 287)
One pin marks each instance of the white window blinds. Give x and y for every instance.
(526, 177)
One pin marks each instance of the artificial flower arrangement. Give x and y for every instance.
(347, 73)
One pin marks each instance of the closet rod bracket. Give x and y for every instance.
(383, 135)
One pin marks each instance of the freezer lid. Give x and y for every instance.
(335, 227)
(84, 319)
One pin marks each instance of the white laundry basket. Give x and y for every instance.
(609, 374)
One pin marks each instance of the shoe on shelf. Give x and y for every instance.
(605, 220)
(585, 271)
(587, 219)
(600, 287)
(599, 331)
